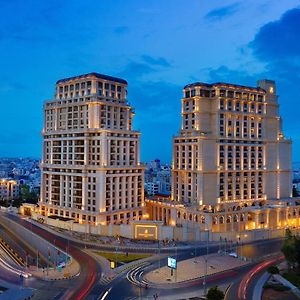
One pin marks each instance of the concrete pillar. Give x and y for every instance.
(100, 191)
(61, 190)
(84, 193)
(256, 219)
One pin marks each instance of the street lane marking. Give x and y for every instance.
(105, 294)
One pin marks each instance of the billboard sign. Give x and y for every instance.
(172, 263)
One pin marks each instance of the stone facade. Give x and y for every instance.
(91, 170)
(9, 189)
(231, 162)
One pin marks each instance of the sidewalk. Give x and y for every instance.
(194, 268)
(189, 295)
(70, 270)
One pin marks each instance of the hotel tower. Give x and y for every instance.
(91, 169)
(231, 162)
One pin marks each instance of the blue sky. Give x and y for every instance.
(157, 46)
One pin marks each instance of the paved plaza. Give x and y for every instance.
(194, 268)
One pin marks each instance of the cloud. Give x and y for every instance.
(222, 12)
(136, 69)
(145, 65)
(156, 102)
(10, 85)
(225, 74)
(277, 45)
(157, 105)
(160, 61)
(279, 40)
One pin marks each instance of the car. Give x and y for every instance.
(233, 254)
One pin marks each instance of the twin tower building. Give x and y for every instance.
(231, 166)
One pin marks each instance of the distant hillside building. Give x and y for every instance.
(9, 189)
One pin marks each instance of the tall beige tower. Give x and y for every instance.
(91, 169)
(231, 162)
(231, 148)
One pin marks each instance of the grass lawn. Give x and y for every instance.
(122, 257)
(293, 278)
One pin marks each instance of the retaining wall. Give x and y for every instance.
(183, 233)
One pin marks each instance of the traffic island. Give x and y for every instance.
(194, 268)
(71, 270)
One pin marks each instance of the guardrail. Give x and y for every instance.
(12, 253)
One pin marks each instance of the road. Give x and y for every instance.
(80, 287)
(121, 288)
(87, 285)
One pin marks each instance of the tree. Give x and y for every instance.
(291, 249)
(295, 192)
(297, 248)
(27, 195)
(289, 252)
(214, 293)
(273, 270)
(288, 235)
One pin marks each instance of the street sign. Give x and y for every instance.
(172, 263)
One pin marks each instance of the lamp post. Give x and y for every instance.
(206, 259)
(241, 246)
(158, 254)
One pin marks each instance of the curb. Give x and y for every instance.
(178, 284)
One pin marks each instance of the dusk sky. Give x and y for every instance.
(157, 46)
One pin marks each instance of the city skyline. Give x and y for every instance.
(156, 74)
(167, 149)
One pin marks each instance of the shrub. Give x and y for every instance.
(276, 287)
(293, 278)
(214, 294)
(273, 270)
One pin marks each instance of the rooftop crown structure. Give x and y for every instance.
(91, 169)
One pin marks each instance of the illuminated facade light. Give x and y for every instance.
(227, 153)
(91, 169)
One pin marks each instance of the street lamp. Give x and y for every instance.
(206, 260)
